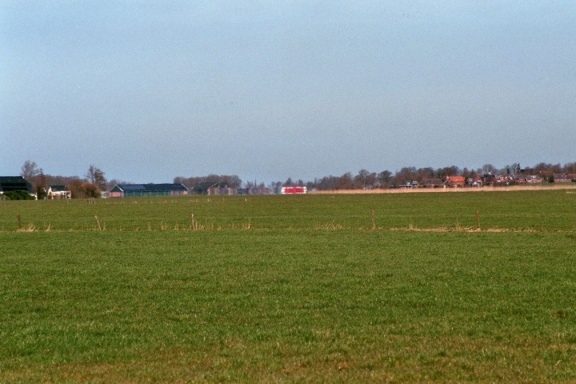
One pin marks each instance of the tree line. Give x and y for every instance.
(94, 181)
(365, 179)
(91, 186)
(200, 184)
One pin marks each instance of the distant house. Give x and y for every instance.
(15, 183)
(139, 190)
(488, 179)
(56, 192)
(564, 177)
(505, 179)
(534, 179)
(522, 178)
(477, 181)
(410, 184)
(456, 181)
(433, 183)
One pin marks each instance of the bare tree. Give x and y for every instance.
(385, 177)
(361, 178)
(35, 176)
(405, 175)
(96, 176)
(345, 181)
(570, 168)
(488, 168)
(30, 170)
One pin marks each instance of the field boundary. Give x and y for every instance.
(513, 188)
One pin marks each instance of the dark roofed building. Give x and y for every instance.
(15, 183)
(137, 190)
(433, 183)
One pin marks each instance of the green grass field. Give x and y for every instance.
(315, 288)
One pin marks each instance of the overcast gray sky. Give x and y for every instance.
(266, 90)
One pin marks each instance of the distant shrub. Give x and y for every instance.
(90, 190)
(18, 195)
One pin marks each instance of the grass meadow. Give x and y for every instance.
(439, 287)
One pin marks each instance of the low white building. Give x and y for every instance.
(56, 192)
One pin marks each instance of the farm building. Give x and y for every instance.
(293, 190)
(137, 190)
(216, 190)
(59, 192)
(15, 183)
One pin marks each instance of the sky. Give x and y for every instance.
(269, 90)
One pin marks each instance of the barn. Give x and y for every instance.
(15, 183)
(139, 190)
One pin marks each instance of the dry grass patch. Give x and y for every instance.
(463, 230)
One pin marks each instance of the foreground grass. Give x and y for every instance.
(287, 299)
